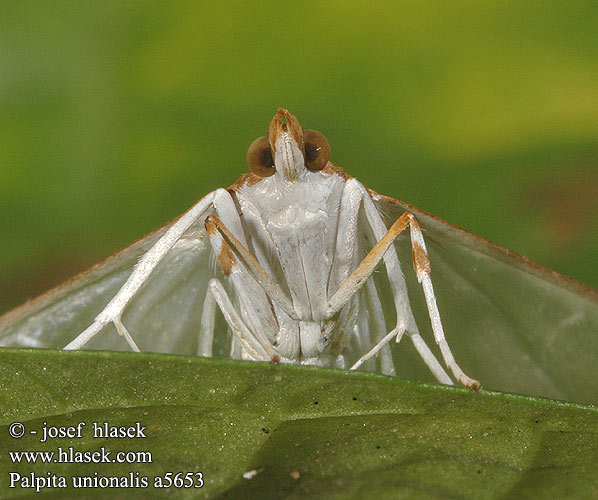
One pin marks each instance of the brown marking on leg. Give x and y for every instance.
(231, 242)
(421, 261)
(366, 267)
(211, 225)
(226, 259)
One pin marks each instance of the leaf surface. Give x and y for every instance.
(301, 432)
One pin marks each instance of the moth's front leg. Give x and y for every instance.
(345, 260)
(253, 302)
(384, 249)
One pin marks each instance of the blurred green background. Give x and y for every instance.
(116, 116)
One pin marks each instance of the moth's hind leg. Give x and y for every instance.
(206, 329)
(141, 272)
(249, 342)
(387, 365)
(205, 345)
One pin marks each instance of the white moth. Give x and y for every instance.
(296, 242)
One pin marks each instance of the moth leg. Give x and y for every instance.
(362, 328)
(366, 267)
(354, 198)
(252, 300)
(430, 360)
(355, 281)
(376, 314)
(374, 350)
(422, 349)
(271, 288)
(141, 272)
(123, 332)
(345, 259)
(421, 264)
(250, 343)
(206, 329)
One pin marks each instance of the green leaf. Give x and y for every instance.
(300, 432)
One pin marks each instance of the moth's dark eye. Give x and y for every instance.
(317, 150)
(259, 157)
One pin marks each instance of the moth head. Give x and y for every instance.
(288, 150)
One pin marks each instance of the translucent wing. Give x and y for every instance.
(163, 316)
(513, 324)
